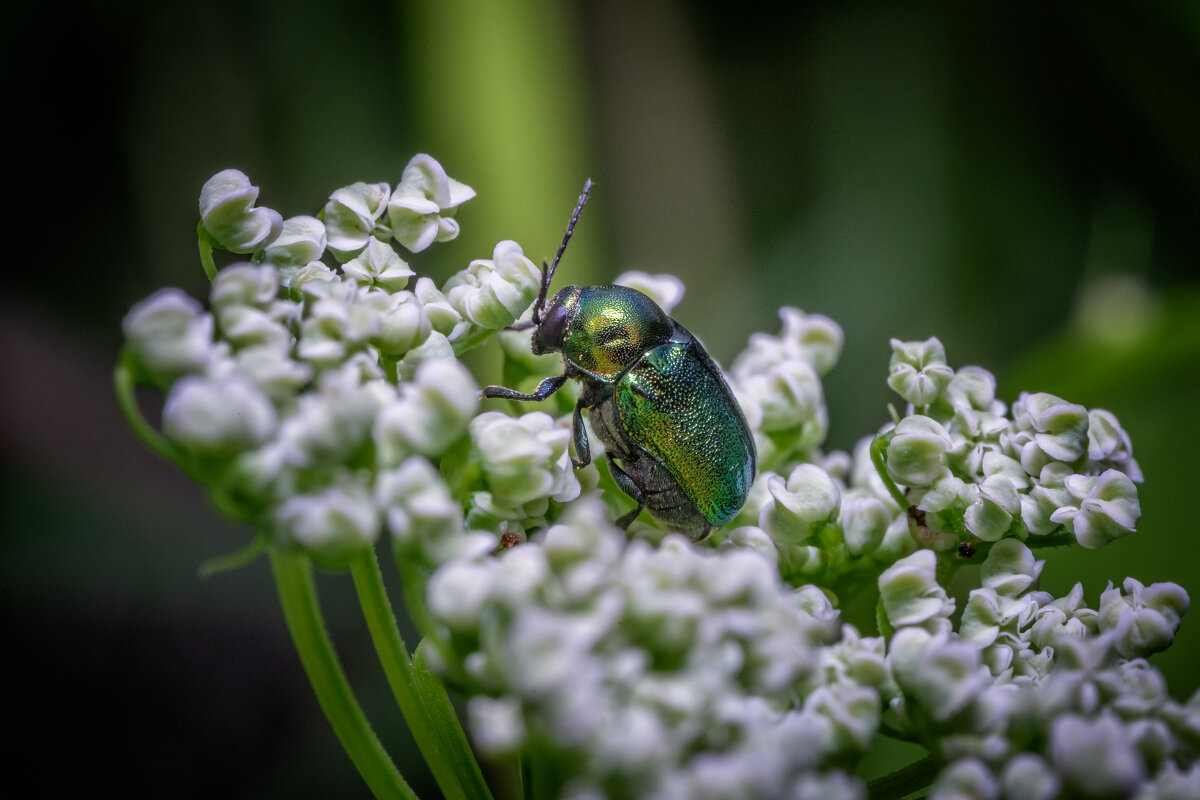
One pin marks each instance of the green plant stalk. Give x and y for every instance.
(904, 781)
(298, 596)
(879, 459)
(421, 698)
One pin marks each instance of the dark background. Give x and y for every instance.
(1019, 179)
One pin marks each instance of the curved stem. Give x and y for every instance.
(422, 700)
(123, 385)
(204, 241)
(241, 558)
(905, 781)
(298, 596)
(880, 462)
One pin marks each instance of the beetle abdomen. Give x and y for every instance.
(675, 403)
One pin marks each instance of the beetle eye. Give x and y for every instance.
(549, 335)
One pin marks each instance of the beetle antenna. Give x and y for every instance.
(548, 272)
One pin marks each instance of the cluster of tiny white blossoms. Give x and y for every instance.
(320, 398)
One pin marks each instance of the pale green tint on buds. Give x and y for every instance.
(1104, 508)
(1109, 446)
(910, 596)
(403, 324)
(378, 265)
(918, 371)
(1048, 428)
(664, 289)
(429, 414)
(169, 335)
(1094, 756)
(916, 451)
(991, 514)
(244, 284)
(421, 207)
(301, 240)
(217, 417)
(939, 674)
(524, 458)
(1143, 619)
(494, 293)
(806, 499)
(351, 216)
(333, 524)
(228, 213)
(420, 513)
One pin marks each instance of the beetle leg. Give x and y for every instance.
(582, 447)
(626, 485)
(544, 389)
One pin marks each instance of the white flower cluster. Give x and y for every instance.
(1035, 696)
(324, 403)
(972, 473)
(309, 397)
(668, 672)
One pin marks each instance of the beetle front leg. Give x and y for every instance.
(544, 389)
(583, 447)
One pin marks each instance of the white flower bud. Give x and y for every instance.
(424, 192)
(217, 417)
(808, 497)
(379, 265)
(277, 376)
(1110, 446)
(1144, 619)
(241, 285)
(1048, 428)
(403, 324)
(333, 423)
(1095, 757)
(496, 724)
(990, 515)
(525, 458)
(429, 414)
(864, 521)
(916, 453)
(243, 326)
(228, 213)
(910, 595)
(304, 278)
(492, 294)
(333, 524)
(301, 240)
(1029, 777)
(972, 388)
(664, 289)
(790, 397)
(169, 335)
(459, 591)
(352, 214)
(1108, 508)
(419, 509)
(965, 779)
(918, 371)
(941, 675)
(442, 316)
(1010, 568)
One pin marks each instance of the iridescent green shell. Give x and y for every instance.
(675, 403)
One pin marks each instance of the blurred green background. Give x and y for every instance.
(1019, 179)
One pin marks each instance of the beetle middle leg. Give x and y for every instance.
(544, 389)
(626, 485)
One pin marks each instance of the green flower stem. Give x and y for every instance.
(878, 448)
(440, 712)
(905, 781)
(204, 241)
(421, 698)
(123, 385)
(298, 596)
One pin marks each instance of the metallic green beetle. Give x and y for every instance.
(674, 435)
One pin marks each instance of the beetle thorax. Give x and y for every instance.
(610, 327)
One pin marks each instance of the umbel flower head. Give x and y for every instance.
(320, 397)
